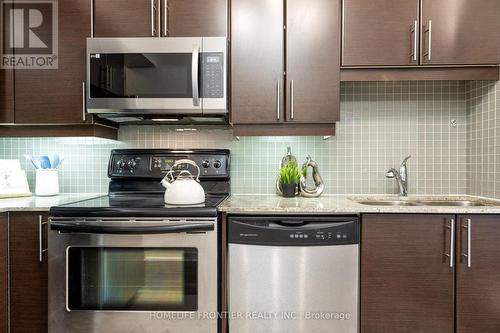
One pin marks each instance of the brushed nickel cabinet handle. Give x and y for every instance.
(165, 18)
(429, 42)
(92, 18)
(414, 34)
(158, 22)
(467, 255)
(451, 254)
(292, 112)
(84, 109)
(278, 92)
(452, 243)
(152, 18)
(41, 250)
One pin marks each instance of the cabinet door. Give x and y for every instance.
(4, 275)
(56, 95)
(28, 276)
(6, 80)
(461, 32)
(195, 18)
(6, 96)
(126, 18)
(257, 61)
(478, 286)
(380, 33)
(406, 278)
(313, 61)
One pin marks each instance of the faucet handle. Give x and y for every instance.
(390, 174)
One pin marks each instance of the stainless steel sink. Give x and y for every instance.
(435, 203)
(395, 203)
(454, 203)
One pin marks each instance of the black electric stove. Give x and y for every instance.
(135, 189)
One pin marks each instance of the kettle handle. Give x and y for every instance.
(191, 162)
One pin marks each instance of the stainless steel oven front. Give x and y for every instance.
(133, 275)
(183, 76)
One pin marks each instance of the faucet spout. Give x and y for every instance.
(393, 173)
(401, 177)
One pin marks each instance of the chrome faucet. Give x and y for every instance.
(401, 177)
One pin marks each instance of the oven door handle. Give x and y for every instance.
(86, 228)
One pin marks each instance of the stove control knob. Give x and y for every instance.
(206, 164)
(121, 163)
(217, 164)
(132, 164)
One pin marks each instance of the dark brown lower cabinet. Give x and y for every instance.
(478, 276)
(28, 272)
(4, 275)
(406, 278)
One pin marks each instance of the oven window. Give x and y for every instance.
(141, 75)
(128, 279)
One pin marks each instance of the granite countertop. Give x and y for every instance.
(273, 204)
(35, 203)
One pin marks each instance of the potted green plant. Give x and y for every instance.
(289, 177)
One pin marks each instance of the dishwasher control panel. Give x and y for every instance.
(296, 231)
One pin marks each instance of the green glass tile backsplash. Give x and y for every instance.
(381, 123)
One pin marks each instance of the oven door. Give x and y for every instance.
(144, 75)
(116, 275)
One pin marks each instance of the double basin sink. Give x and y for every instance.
(433, 202)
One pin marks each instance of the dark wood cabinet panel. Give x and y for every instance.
(125, 18)
(6, 96)
(257, 61)
(56, 95)
(195, 18)
(313, 61)
(478, 286)
(379, 32)
(406, 280)
(28, 293)
(462, 32)
(4, 274)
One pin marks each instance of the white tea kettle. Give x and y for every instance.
(185, 189)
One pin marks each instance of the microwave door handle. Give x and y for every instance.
(194, 76)
(87, 228)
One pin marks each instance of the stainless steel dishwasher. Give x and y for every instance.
(293, 274)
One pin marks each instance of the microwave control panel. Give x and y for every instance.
(212, 75)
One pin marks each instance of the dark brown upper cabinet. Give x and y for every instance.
(257, 61)
(28, 272)
(159, 18)
(380, 32)
(55, 96)
(478, 274)
(6, 96)
(274, 85)
(126, 18)
(312, 61)
(420, 32)
(456, 32)
(194, 18)
(406, 275)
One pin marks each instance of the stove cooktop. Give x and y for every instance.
(137, 205)
(135, 189)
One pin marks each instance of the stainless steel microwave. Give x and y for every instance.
(145, 78)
